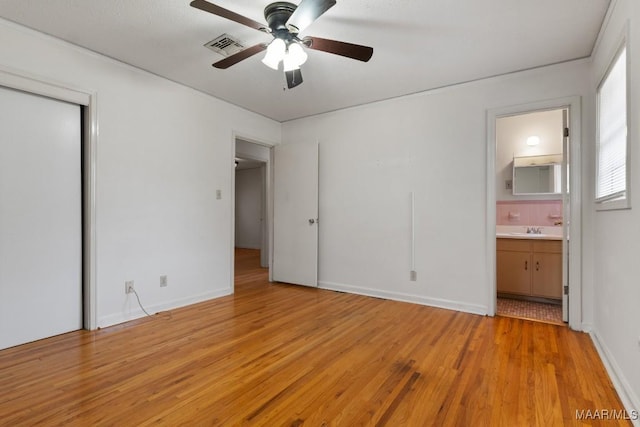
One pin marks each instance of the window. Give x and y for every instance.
(611, 145)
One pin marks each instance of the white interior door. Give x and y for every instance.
(264, 224)
(295, 216)
(40, 218)
(566, 214)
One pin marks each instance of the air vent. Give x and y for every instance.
(225, 45)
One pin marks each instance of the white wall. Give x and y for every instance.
(617, 233)
(433, 143)
(249, 208)
(511, 140)
(163, 150)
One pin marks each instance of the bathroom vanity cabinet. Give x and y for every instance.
(529, 267)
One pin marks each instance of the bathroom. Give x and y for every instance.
(531, 202)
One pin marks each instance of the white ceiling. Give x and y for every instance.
(418, 44)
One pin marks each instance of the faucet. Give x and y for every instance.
(534, 230)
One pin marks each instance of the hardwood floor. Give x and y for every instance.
(287, 355)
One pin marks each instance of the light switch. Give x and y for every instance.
(218, 194)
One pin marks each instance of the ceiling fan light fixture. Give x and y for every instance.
(285, 21)
(275, 53)
(297, 53)
(289, 63)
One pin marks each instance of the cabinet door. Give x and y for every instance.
(547, 275)
(514, 272)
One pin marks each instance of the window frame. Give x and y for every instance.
(606, 202)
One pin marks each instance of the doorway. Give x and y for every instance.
(530, 190)
(290, 232)
(252, 207)
(528, 228)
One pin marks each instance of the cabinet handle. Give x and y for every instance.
(537, 265)
(526, 265)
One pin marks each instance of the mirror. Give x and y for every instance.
(537, 174)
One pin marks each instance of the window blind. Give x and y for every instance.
(612, 132)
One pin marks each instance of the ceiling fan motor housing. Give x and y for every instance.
(277, 14)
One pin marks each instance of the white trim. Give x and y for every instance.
(411, 298)
(90, 161)
(232, 227)
(587, 327)
(441, 89)
(120, 63)
(573, 103)
(136, 312)
(26, 82)
(629, 399)
(603, 27)
(490, 235)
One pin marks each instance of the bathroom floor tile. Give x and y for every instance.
(549, 313)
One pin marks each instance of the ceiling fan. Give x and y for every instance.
(285, 22)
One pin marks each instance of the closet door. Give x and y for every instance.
(40, 218)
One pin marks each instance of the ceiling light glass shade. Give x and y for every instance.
(289, 63)
(275, 53)
(533, 141)
(298, 53)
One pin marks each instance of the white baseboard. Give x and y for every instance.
(627, 396)
(587, 327)
(136, 312)
(398, 296)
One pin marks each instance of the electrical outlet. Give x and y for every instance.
(413, 275)
(128, 287)
(163, 281)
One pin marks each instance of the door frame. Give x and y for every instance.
(573, 104)
(268, 181)
(87, 100)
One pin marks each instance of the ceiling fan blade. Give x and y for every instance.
(350, 50)
(225, 13)
(307, 12)
(237, 57)
(294, 78)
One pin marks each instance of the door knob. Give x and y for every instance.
(312, 221)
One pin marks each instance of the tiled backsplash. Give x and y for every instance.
(529, 212)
